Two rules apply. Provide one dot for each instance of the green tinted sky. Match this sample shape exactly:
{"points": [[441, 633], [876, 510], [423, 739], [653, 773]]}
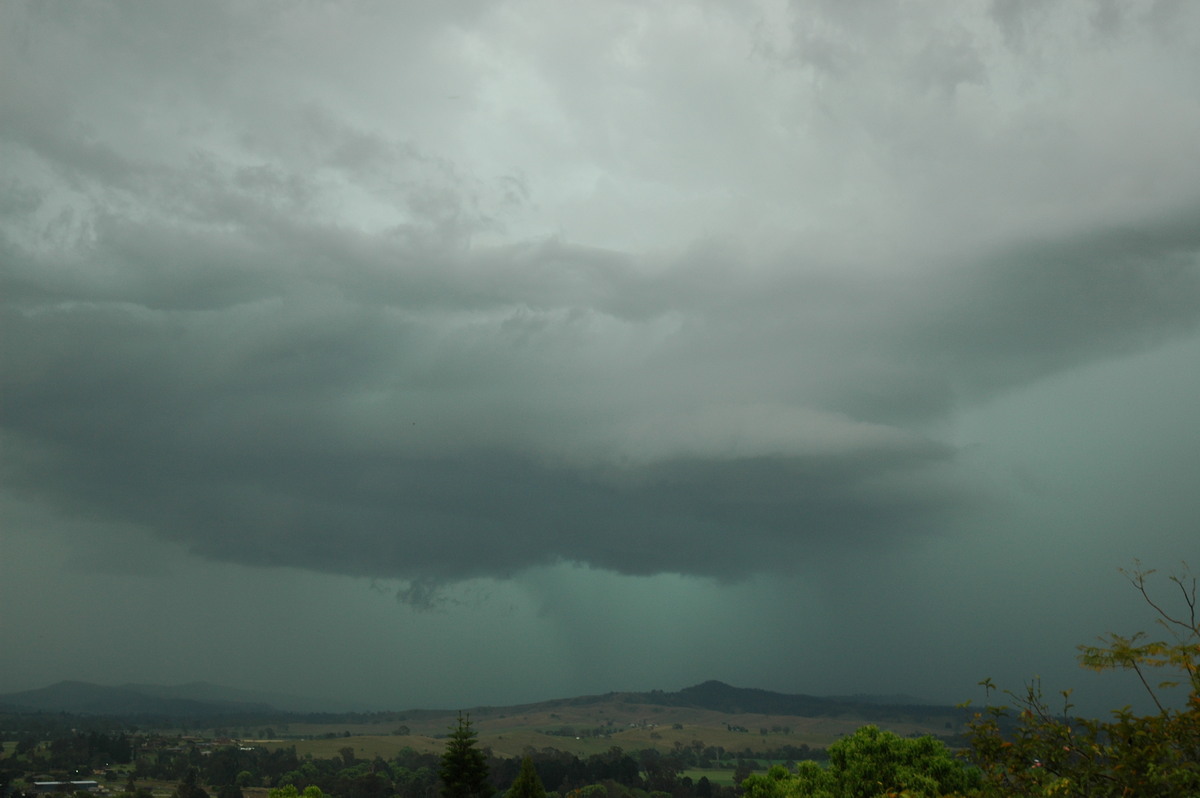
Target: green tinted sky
{"points": [[435, 354]]}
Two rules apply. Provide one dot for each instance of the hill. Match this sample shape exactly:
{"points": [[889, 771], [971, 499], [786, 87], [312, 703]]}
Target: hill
{"points": [[718, 697], [715, 712], [84, 698]]}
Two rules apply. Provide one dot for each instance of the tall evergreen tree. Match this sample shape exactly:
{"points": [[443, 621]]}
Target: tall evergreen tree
{"points": [[464, 770], [527, 783], [189, 787]]}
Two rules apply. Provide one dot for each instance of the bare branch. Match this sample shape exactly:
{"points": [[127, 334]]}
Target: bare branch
{"points": [[1138, 670], [1138, 578]]}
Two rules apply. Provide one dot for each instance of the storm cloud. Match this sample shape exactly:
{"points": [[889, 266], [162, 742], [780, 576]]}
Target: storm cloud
{"points": [[438, 293]]}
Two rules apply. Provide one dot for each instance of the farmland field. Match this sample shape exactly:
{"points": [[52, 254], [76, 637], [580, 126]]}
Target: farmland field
{"points": [[587, 729]]}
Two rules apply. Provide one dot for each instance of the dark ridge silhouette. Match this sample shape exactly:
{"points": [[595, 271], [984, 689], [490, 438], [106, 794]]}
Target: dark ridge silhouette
{"points": [[202, 700], [84, 698]]}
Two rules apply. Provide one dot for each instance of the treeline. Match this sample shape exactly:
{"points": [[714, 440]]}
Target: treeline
{"points": [[72, 752], [227, 770], [51, 723]]}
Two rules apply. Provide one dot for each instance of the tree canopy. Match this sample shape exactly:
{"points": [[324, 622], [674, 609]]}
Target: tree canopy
{"points": [[290, 791], [463, 769], [527, 784], [868, 763]]}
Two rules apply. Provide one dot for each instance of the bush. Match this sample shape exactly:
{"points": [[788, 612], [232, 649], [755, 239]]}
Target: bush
{"points": [[871, 763], [1034, 750]]}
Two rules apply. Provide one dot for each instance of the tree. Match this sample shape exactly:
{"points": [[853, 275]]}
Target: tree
{"points": [[188, 787], [464, 770], [1034, 749], [290, 791], [874, 762], [870, 763], [527, 784]]}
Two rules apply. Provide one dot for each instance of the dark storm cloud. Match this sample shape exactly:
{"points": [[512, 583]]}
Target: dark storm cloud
{"points": [[250, 307], [366, 437], [1030, 311], [288, 394]]}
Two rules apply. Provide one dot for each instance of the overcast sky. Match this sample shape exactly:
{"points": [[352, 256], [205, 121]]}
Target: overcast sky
{"points": [[437, 354]]}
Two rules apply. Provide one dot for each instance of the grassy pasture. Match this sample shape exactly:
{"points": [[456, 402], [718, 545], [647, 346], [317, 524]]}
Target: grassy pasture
{"points": [[366, 746], [510, 731]]}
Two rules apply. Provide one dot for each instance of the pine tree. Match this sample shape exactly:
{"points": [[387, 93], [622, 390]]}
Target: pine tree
{"points": [[189, 788], [527, 784], [464, 770]]}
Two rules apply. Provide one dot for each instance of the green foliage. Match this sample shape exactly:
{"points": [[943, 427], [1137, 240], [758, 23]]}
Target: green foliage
{"points": [[780, 783], [870, 763], [290, 791], [464, 770], [1034, 750], [527, 784]]}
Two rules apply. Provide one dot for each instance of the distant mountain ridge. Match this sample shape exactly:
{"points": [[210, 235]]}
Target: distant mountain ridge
{"points": [[714, 695], [736, 700], [718, 696], [185, 700], [215, 693], [201, 699]]}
